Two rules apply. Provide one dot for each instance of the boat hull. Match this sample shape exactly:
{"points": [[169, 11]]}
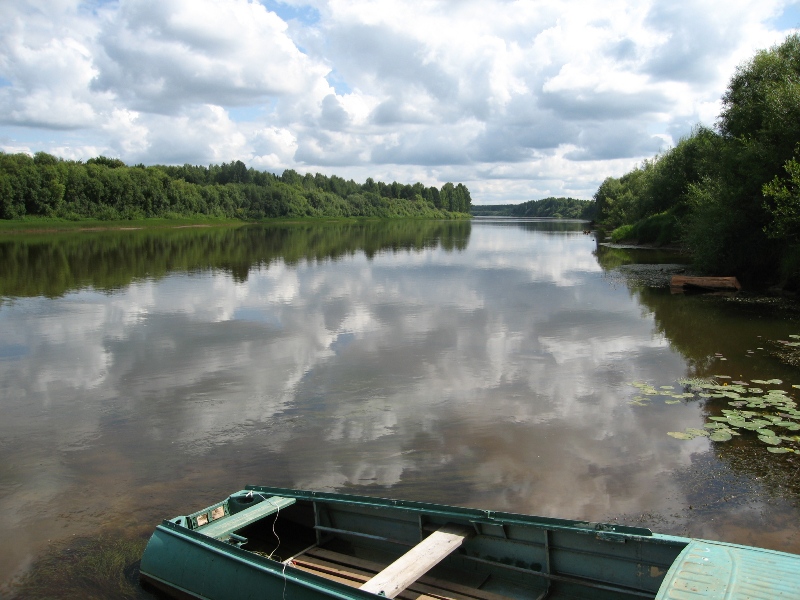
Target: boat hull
{"points": [[293, 544]]}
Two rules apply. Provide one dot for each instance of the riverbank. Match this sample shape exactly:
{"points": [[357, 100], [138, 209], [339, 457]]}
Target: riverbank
{"points": [[54, 225]]}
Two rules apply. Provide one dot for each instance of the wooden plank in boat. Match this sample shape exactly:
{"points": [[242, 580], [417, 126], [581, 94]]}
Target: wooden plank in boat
{"points": [[352, 579], [418, 561], [363, 571], [371, 568]]}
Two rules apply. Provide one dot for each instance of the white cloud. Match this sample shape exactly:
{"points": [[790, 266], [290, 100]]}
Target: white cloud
{"points": [[160, 55], [516, 99]]}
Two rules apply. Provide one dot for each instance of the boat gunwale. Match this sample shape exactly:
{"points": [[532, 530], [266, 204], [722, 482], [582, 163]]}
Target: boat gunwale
{"points": [[472, 515]]}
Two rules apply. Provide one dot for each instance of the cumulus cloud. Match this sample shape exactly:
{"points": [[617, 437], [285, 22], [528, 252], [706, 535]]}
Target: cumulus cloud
{"points": [[48, 70], [160, 55], [394, 90]]}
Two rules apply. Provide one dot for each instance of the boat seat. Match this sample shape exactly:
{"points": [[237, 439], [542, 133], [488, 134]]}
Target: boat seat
{"points": [[225, 526], [419, 560]]}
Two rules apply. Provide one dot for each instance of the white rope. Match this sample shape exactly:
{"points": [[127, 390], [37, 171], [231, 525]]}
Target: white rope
{"points": [[275, 533]]}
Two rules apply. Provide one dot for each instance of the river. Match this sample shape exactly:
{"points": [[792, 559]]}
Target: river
{"points": [[499, 363]]}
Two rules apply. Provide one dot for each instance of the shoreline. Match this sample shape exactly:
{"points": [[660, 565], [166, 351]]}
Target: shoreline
{"points": [[40, 226], [45, 225]]}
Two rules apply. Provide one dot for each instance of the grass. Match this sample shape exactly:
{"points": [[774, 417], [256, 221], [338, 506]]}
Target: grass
{"points": [[40, 224], [86, 568], [622, 233], [661, 229]]}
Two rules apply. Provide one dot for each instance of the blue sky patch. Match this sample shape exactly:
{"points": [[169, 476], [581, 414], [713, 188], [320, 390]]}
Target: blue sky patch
{"points": [[307, 15], [338, 83], [246, 113], [92, 7], [790, 17]]}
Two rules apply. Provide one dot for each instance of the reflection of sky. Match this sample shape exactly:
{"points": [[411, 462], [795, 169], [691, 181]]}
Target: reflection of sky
{"points": [[493, 376]]}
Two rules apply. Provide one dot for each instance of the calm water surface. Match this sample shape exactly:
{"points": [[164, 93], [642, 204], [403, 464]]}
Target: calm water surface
{"points": [[148, 374]]}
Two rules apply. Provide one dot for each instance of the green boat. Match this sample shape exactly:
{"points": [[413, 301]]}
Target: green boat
{"points": [[263, 543]]}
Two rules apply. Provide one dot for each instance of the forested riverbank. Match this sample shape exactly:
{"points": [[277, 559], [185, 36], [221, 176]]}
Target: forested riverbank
{"points": [[730, 195], [556, 208], [106, 189]]}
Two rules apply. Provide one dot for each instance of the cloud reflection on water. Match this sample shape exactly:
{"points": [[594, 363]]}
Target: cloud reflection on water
{"points": [[492, 376]]}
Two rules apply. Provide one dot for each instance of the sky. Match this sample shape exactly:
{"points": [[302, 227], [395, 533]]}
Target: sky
{"points": [[518, 100]]}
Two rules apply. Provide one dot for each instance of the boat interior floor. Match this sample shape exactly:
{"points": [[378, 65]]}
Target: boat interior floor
{"points": [[354, 565], [355, 571]]}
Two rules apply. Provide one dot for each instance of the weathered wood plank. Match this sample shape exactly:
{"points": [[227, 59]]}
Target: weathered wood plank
{"points": [[447, 588], [355, 580], [418, 561], [706, 283]]}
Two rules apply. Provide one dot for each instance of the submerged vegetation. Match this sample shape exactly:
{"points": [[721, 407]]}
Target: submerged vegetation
{"points": [[101, 567], [730, 195], [107, 189]]}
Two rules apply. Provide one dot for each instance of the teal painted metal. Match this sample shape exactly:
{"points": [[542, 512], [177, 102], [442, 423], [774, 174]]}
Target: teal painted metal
{"points": [[718, 570], [223, 527], [519, 556], [479, 515], [189, 564]]}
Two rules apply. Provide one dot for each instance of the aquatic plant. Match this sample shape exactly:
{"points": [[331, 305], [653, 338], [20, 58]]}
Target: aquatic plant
{"points": [[770, 413], [96, 567]]}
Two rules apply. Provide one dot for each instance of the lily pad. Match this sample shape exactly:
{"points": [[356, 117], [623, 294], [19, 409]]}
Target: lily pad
{"points": [[695, 431], [773, 439], [752, 426], [750, 408]]}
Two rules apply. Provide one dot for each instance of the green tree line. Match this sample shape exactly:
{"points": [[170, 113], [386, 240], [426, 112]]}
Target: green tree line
{"points": [[107, 189], [557, 208], [730, 194]]}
